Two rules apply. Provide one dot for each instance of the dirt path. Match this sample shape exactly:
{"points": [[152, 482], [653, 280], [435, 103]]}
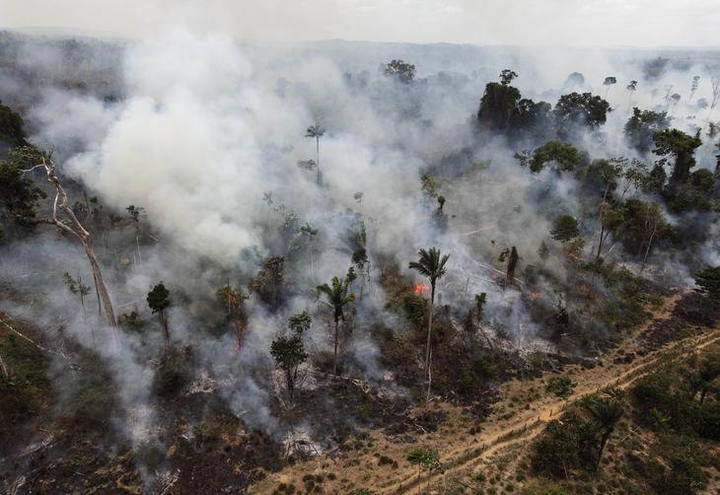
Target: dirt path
{"points": [[525, 426]]}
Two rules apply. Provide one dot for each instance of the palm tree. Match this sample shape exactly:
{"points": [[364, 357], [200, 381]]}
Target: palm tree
{"points": [[432, 265], [316, 132], [338, 295], [606, 413]]}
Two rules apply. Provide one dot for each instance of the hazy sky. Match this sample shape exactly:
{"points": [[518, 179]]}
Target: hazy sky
{"points": [[513, 22]]}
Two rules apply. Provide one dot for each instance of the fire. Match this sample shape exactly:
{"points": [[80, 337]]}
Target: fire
{"points": [[534, 294], [418, 289]]}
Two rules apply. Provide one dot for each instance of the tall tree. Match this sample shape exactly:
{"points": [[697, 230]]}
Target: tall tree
{"points": [[159, 301], [431, 264], [64, 218], [642, 125], [316, 132], [337, 296], [673, 142]]}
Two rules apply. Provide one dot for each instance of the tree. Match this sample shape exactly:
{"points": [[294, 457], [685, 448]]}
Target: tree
{"points": [[708, 282], [606, 412], [337, 296], [431, 264], [233, 298], [507, 76], [64, 218], [583, 109], [610, 219], [316, 132], [608, 82], [680, 145], [642, 126], [564, 228], [76, 286], [289, 351], [401, 70], [499, 103], [424, 458], [564, 155], [159, 301], [268, 283]]}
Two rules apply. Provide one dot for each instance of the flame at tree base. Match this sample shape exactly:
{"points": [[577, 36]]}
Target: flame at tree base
{"points": [[420, 289]]}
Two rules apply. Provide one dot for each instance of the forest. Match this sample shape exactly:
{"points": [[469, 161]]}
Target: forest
{"points": [[337, 267]]}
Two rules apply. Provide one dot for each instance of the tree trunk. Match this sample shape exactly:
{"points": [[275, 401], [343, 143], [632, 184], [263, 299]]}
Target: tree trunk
{"points": [[100, 283], [430, 322], [164, 324], [335, 359], [317, 156], [603, 441]]}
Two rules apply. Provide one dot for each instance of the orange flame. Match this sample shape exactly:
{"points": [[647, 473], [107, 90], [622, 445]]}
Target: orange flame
{"points": [[534, 294], [418, 289]]}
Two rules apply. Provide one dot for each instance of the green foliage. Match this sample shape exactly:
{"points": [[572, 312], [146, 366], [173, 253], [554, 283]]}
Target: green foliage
{"points": [[564, 228], [544, 486], [507, 76], [497, 106], [424, 457], [564, 155], [92, 400], [565, 445], [562, 386], [415, 307], [673, 142], [400, 70], [173, 373], [431, 265], [268, 283], [300, 323], [158, 298], [337, 295], [429, 186], [18, 194], [289, 353], [642, 126], [11, 126], [584, 109], [708, 282], [27, 384]]}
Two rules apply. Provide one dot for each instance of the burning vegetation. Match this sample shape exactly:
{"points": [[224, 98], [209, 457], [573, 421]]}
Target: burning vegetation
{"points": [[262, 315]]}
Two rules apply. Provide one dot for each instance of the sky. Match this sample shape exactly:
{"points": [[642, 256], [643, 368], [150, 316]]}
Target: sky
{"points": [[642, 23]]}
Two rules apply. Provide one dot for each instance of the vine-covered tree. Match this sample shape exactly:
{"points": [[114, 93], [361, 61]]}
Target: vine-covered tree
{"points": [[674, 142], [158, 299], [499, 103], [642, 126], [268, 283]]}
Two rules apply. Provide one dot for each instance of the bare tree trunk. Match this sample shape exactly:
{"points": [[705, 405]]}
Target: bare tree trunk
{"points": [[335, 360], [430, 322], [317, 155], [71, 225]]}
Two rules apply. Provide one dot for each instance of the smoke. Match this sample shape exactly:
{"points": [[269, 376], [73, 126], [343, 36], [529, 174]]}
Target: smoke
{"points": [[206, 133]]}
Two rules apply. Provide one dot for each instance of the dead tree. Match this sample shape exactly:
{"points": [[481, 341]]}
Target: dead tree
{"points": [[66, 221]]}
